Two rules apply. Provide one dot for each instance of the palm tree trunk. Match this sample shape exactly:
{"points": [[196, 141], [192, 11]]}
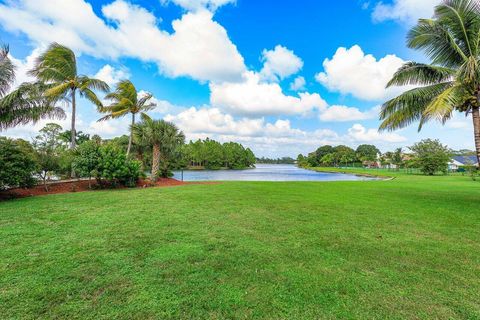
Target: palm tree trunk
{"points": [[73, 133], [155, 162], [476, 129], [131, 135]]}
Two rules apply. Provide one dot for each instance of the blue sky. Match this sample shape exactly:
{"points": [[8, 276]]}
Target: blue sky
{"points": [[281, 77]]}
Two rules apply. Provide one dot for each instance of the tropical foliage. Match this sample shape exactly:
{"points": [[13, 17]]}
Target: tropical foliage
{"points": [[430, 156], [451, 82], [24, 104], [17, 163], [56, 68], [126, 100], [164, 138], [211, 154]]}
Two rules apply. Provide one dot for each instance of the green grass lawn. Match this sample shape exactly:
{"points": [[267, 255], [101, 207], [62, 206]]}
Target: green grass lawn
{"points": [[407, 248]]}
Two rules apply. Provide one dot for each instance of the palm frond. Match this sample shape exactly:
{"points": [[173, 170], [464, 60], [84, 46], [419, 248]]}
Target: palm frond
{"points": [[7, 71], [413, 73], [28, 104], [410, 106]]}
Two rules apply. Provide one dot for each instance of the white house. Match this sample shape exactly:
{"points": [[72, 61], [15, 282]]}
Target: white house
{"points": [[461, 161]]}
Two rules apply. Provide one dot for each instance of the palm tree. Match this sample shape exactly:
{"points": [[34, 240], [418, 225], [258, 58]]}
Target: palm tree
{"points": [[7, 71], [57, 68], [126, 100], [164, 138], [451, 39], [24, 104]]}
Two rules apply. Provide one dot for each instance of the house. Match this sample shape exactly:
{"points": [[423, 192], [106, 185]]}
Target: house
{"points": [[461, 161]]}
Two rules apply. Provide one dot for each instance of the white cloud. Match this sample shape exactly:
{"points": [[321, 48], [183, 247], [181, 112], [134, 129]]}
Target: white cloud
{"points": [[406, 11], [298, 84], [351, 71], [276, 138], [359, 133], [199, 4], [279, 63], [254, 97], [111, 128], [131, 31], [112, 75], [338, 113], [23, 66]]}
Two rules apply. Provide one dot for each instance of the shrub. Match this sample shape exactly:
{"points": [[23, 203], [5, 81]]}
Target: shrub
{"points": [[17, 163], [116, 168]]}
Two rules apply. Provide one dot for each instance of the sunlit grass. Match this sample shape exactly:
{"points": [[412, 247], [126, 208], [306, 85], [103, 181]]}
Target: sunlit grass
{"points": [[407, 248]]}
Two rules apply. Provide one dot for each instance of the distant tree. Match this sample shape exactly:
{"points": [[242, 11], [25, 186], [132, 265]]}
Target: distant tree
{"points": [[328, 159], [397, 158], [344, 154], [322, 151], [17, 164], [86, 162], [48, 147], [302, 161], [80, 137], [367, 153], [431, 156]]}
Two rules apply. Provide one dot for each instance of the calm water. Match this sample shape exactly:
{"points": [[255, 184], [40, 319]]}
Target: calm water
{"points": [[267, 172]]}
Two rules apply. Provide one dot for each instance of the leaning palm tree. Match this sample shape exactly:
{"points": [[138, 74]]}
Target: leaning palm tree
{"points": [[57, 68], [126, 100], [451, 83], [7, 71], [162, 136], [25, 103]]}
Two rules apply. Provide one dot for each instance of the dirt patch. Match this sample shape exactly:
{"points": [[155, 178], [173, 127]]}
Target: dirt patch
{"points": [[82, 185]]}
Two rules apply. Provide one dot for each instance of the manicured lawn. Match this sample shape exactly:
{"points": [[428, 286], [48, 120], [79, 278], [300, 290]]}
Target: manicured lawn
{"points": [[407, 248]]}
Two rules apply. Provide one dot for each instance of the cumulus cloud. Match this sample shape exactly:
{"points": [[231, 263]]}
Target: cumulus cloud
{"points": [[23, 66], [112, 75], [253, 97], [280, 63], [129, 30], [338, 113], [406, 11], [298, 84], [199, 4], [359, 133], [267, 138], [351, 71]]}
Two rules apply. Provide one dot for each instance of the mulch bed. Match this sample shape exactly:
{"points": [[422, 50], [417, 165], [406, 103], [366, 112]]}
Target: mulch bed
{"points": [[82, 185]]}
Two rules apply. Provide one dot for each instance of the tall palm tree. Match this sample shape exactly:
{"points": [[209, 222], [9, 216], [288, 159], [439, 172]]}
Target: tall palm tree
{"points": [[57, 68], [126, 100], [451, 39], [7, 71], [164, 137]]}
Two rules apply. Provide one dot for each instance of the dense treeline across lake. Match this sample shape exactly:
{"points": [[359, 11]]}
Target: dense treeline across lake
{"points": [[211, 154], [283, 160]]}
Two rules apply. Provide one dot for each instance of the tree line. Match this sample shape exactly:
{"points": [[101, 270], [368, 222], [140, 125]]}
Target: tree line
{"points": [[211, 154], [282, 160], [429, 156]]}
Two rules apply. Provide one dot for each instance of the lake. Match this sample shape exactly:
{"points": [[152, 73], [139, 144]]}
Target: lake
{"points": [[266, 172]]}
